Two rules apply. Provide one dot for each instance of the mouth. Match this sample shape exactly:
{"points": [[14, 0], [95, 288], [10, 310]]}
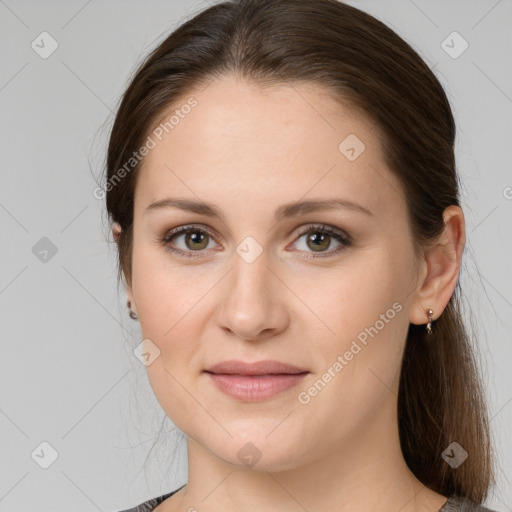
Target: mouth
{"points": [[255, 381], [267, 367]]}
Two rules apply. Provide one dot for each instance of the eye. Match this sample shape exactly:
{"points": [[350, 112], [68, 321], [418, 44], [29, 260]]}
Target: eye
{"points": [[318, 239], [195, 239]]}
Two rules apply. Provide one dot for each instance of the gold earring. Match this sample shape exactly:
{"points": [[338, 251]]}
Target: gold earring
{"points": [[429, 324]]}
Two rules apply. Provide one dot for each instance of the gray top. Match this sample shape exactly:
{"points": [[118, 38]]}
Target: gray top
{"points": [[454, 504]]}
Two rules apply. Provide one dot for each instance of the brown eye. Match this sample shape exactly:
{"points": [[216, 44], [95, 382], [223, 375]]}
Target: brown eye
{"points": [[318, 241], [196, 240]]}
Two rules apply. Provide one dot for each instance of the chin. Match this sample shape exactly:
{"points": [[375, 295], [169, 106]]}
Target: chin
{"points": [[257, 452]]}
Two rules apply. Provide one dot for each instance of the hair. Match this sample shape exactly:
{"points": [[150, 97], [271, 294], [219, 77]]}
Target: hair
{"points": [[362, 63]]}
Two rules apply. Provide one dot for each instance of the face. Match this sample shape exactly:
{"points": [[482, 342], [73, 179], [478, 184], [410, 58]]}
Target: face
{"points": [[325, 290]]}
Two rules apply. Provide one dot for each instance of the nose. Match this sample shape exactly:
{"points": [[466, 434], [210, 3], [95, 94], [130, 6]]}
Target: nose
{"points": [[252, 304]]}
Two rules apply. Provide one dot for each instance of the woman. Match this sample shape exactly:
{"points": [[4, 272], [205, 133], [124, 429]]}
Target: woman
{"points": [[283, 194]]}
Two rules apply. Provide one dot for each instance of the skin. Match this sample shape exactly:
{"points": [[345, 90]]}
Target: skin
{"points": [[248, 151]]}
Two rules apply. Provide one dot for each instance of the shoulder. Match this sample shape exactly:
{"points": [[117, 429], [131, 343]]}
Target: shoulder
{"points": [[461, 504], [151, 504]]}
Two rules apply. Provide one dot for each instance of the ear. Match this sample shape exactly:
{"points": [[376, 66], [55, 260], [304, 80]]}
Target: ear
{"points": [[116, 233], [440, 268]]}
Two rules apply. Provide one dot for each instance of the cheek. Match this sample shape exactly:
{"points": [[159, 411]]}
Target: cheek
{"points": [[167, 293], [360, 367], [367, 318], [168, 306], [170, 316], [354, 298]]}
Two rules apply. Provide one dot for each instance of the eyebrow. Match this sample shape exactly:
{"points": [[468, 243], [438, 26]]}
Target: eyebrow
{"points": [[284, 211]]}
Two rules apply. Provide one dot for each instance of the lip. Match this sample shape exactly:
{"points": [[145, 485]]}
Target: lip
{"points": [[266, 367], [255, 381]]}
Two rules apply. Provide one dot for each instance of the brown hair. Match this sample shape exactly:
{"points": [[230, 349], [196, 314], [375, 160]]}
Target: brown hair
{"points": [[363, 62]]}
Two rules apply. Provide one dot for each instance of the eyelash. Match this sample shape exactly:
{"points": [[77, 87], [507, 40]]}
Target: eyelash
{"points": [[344, 239]]}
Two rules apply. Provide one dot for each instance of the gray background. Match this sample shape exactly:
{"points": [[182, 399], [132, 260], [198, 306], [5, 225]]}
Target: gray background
{"points": [[68, 376]]}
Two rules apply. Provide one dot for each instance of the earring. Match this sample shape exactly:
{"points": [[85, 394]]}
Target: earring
{"points": [[133, 316], [429, 324]]}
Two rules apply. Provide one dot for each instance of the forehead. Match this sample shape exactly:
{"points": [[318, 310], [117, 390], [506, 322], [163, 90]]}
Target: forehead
{"points": [[251, 147]]}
